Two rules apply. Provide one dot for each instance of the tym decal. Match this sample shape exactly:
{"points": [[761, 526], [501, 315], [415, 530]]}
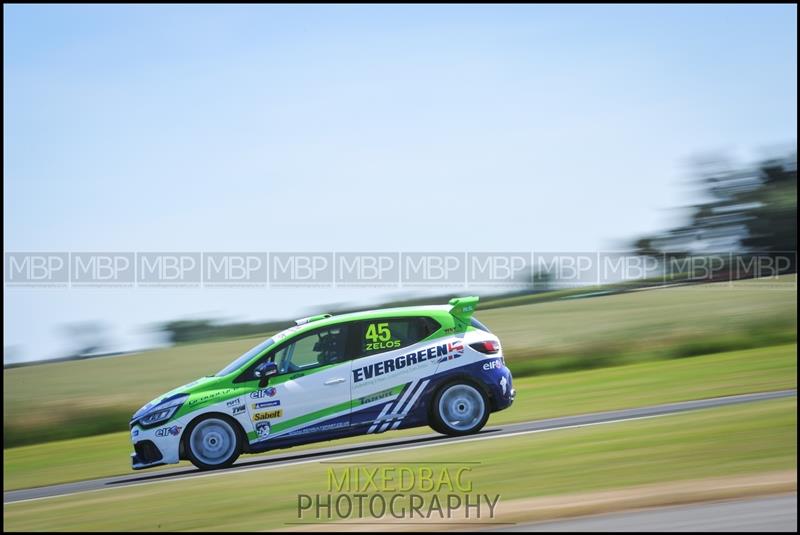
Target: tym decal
{"points": [[377, 369]]}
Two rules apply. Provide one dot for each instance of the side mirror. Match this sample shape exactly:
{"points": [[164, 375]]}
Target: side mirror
{"points": [[264, 371]]}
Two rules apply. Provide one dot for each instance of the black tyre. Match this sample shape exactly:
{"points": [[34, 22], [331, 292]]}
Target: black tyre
{"points": [[212, 441], [459, 409]]}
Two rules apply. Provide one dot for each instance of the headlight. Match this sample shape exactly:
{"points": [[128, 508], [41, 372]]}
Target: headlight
{"points": [[161, 412]]}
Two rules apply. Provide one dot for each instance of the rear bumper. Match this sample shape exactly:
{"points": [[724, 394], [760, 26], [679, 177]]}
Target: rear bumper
{"points": [[498, 381]]}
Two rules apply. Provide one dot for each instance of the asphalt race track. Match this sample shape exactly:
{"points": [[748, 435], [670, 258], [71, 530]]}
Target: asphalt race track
{"points": [[773, 513], [275, 460]]}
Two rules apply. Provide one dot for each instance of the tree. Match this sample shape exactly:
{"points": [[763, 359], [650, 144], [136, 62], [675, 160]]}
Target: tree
{"points": [[748, 210]]}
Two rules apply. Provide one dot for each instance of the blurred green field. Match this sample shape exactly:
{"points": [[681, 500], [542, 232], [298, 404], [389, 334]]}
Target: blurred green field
{"points": [[82, 398], [747, 439], [633, 385]]}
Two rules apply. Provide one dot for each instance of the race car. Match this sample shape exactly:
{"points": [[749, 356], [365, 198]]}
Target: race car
{"points": [[329, 377]]}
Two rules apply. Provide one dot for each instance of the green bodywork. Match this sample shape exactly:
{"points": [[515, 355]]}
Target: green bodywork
{"points": [[452, 319]]}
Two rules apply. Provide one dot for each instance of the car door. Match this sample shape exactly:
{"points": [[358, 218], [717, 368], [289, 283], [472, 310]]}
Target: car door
{"points": [[389, 373], [311, 393]]}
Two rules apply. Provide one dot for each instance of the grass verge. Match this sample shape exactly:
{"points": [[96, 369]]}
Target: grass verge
{"points": [[729, 441]]}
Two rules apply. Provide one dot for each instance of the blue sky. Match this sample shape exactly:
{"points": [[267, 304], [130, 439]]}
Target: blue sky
{"points": [[334, 128]]}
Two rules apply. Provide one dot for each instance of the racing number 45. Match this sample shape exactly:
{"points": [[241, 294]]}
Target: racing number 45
{"points": [[378, 332], [380, 336]]}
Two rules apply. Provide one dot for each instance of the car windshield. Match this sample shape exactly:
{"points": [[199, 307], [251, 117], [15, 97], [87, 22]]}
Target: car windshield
{"points": [[241, 361]]}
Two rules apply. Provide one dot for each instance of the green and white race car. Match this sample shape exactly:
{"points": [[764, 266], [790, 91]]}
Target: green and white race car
{"points": [[330, 377]]}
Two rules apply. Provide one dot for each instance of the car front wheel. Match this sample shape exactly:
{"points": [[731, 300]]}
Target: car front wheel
{"points": [[460, 409], [212, 442]]}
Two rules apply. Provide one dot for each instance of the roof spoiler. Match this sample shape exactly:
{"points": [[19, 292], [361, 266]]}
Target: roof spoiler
{"points": [[462, 308]]}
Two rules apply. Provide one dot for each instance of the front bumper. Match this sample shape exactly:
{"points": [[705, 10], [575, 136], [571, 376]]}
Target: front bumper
{"points": [[154, 447], [146, 455]]}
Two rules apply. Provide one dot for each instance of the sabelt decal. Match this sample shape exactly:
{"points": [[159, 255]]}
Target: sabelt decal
{"points": [[267, 415]]}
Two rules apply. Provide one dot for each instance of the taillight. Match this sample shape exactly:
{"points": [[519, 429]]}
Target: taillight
{"points": [[488, 347]]}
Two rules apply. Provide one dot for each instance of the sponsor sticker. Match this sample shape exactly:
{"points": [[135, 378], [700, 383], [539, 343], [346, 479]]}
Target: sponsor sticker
{"points": [[266, 404], [263, 429], [376, 396], [174, 431], [318, 429], [266, 393], [210, 395], [238, 410], [233, 402], [438, 353], [267, 415], [491, 365]]}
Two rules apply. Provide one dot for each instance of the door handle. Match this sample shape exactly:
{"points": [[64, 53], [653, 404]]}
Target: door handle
{"points": [[334, 381]]}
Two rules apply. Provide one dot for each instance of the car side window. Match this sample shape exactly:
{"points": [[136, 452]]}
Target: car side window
{"points": [[379, 335], [318, 348]]}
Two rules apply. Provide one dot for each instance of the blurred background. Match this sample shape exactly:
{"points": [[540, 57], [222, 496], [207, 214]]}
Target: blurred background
{"points": [[662, 133]]}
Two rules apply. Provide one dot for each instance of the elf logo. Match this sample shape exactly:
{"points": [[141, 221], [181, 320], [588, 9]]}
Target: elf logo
{"points": [[494, 364]]}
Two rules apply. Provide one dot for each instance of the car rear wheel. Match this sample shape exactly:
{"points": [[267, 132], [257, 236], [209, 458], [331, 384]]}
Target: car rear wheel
{"points": [[460, 409], [212, 442]]}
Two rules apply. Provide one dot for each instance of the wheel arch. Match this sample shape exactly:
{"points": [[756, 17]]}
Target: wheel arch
{"points": [[237, 426], [458, 377]]}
